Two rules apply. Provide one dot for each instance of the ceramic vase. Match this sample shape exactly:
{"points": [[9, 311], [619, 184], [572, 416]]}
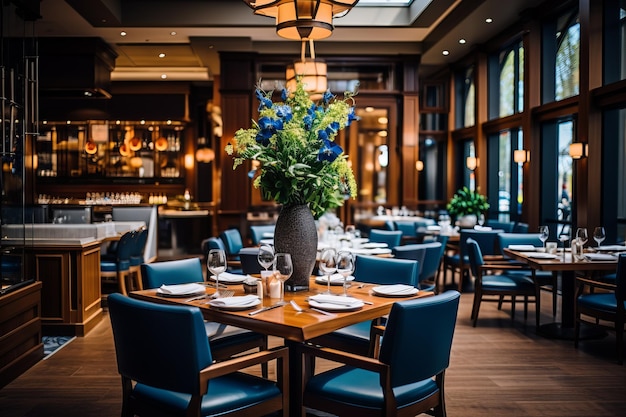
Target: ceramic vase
{"points": [[296, 234]]}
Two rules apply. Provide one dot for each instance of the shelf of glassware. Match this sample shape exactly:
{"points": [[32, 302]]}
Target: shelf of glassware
{"points": [[102, 150]]}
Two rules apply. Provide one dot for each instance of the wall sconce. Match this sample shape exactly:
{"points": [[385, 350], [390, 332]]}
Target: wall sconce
{"points": [[471, 162], [302, 19], [419, 165], [188, 161], [578, 150], [521, 156]]}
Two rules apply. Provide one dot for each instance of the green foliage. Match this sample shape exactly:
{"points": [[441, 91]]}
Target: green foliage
{"points": [[293, 141], [466, 201]]}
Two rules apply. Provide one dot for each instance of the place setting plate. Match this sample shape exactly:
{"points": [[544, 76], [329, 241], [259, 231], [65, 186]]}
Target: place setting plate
{"points": [[230, 278], [523, 248], [335, 279], [236, 303], [542, 255], [600, 257], [395, 290]]}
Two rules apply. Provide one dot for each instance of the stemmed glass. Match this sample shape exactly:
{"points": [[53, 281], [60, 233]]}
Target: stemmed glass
{"points": [[599, 235], [345, 267], [283, 268], [481, 219], [266, 256], [544, 234], [328, 265], [582, 235], [216, 264]]}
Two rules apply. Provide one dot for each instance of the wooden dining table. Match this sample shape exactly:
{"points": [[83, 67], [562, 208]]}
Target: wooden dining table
{"points": [[568, 268], [286, 322]]}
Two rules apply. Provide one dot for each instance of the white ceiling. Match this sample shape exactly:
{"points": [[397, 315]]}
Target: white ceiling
{"points": [[204, 27]]}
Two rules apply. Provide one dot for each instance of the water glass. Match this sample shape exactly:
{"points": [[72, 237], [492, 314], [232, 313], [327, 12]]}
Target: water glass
{"points": [[265, 257], [328, 265], [599, 235], [283, 268], [345, 267], [216, 264], [544, 234]]}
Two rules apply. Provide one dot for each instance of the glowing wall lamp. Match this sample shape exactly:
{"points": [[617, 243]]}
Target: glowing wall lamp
{"points": [[521, 156], [189, 161], [472, 163], [578, 150], [419, 165]]}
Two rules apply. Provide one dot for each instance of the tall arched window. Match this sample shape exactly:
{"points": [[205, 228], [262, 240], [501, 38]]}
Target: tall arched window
{"points": [[567, 57], [510, 87], [466, 98]]}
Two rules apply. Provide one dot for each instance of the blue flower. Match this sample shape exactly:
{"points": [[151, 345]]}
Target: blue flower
{"points": [[329, 151], [264, 102], [284, 112], [267, 128], [284, 94], [327, 97], [352, 116]]}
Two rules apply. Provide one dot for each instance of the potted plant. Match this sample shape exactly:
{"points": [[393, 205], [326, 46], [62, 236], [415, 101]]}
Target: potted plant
{"points": [[466, 205]]}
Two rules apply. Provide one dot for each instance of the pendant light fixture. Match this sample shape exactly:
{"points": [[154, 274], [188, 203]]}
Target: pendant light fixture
{"points": [[302, 19], [311, 71]]}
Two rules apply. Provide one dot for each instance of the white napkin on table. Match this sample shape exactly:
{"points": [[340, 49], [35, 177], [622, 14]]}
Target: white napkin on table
{"points": [[522, 248], [395, 289], [181, 289], [335, 278], [240, 300], [230, 277], [335, 299]]}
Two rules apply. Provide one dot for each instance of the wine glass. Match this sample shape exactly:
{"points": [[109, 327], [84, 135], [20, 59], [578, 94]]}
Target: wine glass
{"points": [[345, 267], [582, 235], [283, 268], [544, 234], [481, 219], [266, 256], [599, 235], [350, 230], [328, 265], [216, 264]]}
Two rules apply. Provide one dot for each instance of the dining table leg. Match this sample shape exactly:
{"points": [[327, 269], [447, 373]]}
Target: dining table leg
{"points": [[295, 381], [565, 328]]}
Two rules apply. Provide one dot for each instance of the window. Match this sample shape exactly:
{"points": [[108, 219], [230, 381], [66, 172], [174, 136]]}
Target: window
{"points": [[506, 89], [561, 50], [465, 99], [614, 41], [505, 188]]}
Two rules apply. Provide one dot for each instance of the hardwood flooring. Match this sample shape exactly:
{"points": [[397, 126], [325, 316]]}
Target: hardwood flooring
{"points": [[499, 368]]}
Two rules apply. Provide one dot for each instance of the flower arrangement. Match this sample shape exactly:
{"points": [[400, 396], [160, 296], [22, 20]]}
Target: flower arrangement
{"points": [[294, 142], [467, 201]]}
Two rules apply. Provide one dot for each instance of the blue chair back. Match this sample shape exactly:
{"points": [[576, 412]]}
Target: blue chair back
{"points": [[520, 227], [475, 256], [212, 243], [391, 237], [408, 228], [506, 227], [139, 245], [159, 345], [257, 232], [486, 240], [180, 271], [620, 279], [232, 241], [249, 260], [413, 252], [376, 270], [123, 250], [432, 260], [402, 343]]}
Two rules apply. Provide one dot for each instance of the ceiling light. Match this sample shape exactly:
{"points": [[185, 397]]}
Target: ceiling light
{"points": [[462, 41], [311, 71], [488, 20], [161, 55], [445, 52], [302, 19], [123, 33]]}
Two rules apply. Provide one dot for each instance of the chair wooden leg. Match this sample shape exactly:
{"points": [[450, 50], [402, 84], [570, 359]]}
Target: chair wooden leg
{"points": [[121, 282], [619, 336], [555, 288], [476, 307], [512, 307]]}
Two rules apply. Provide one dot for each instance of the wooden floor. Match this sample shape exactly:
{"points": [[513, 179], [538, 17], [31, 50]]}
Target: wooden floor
{"points": [[500, 368]]}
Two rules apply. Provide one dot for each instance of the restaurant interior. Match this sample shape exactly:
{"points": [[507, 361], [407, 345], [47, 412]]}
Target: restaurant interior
{"points": [[480, 156]]}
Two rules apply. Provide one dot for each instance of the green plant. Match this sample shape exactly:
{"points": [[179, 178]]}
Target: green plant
{"points": [[293, 141], [467, 201]]}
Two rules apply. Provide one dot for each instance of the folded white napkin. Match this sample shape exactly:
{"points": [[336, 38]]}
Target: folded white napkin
{"points": [[335, 299], [372, 245], [522, 247], [600, 257], [395, 289], [181, 289], [478, 227], [241, 300], [230, 277], [612, 248]]}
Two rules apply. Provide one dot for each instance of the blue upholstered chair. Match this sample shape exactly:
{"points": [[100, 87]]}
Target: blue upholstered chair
{"points": [[506, 227], [391, 237], [232, 242], [458, 262], [249, 260], [115, 267], [261, 231], [547, 280], [167, 367], [498, 283], [226, 340], [136, 256], [214, 242], [409, 231], [603, 306], [398, 382], [417, 252], [356, 338]]}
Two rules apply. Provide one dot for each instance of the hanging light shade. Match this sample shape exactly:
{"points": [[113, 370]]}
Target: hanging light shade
{"points": [[302, 19], [161, 144], [124, 150], [205, 155], [134, 144], [312, 72], [91, 147]]}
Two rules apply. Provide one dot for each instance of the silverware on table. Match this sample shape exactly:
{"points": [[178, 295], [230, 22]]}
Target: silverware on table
{"points": [[303, 310], [261, 310]]}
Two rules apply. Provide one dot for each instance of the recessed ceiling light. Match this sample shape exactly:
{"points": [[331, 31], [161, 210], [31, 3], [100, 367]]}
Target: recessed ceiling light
{"points": [[163, 76], [369, 109], [488, 20], [461, 41], [161, 55], [123, 33], [446, 52], [173, 33]]}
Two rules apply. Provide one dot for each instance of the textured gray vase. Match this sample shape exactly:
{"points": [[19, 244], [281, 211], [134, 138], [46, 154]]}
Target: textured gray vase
{"points": [[296, 234]]}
